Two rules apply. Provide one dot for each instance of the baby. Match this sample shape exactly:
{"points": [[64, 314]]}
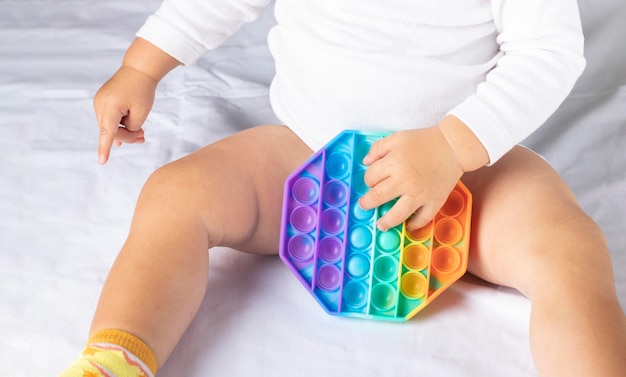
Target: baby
{"points": [[458, 82]]}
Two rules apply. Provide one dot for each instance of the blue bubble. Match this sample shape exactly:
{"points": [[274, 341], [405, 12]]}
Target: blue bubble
{"points": [[355, 294], [360, 214], [360, 237], [358, 265], [338, 165]]}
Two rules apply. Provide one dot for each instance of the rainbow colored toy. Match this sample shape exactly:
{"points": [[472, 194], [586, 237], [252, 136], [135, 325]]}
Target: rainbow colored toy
{"points": [[333, 247]]}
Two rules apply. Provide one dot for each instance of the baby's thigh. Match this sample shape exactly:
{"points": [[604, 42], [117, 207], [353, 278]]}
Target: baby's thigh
{"points": [[526, 222], [235, 185]]}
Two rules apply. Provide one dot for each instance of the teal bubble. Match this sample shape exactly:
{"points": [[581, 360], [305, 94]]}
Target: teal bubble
{"points": [[361, 150], [383, 297], [383, 209], [388, 241], [386, 268], [358, 182]]}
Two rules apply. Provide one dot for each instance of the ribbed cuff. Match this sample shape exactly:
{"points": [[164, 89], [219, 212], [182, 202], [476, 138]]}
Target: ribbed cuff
{"points": [[129, 342]]}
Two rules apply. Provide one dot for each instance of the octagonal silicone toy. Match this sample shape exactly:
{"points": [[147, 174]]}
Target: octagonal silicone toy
{"points": [[334, 248]]}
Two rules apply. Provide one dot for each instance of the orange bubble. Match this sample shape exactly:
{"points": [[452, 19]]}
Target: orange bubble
{"points": [[416, 256], [454, 205], [422, 234], [446, 259], [448, 231]]}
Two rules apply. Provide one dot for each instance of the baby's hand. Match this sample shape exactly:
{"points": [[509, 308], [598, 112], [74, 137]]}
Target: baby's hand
{"points": [[122, 105], [417, 166]]}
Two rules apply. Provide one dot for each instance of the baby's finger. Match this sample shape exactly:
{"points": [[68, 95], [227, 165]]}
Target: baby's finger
{"points": [[378, 150], [376, 173], [129, 137], [378, 195], [421, 217], [401, 210], [109, 125]]}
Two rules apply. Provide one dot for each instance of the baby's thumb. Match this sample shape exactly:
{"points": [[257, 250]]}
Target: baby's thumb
{"points": [[134, 119]]}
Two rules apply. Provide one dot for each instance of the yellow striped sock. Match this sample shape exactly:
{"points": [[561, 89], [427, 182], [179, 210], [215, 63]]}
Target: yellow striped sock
{"points": [[113, 353]]}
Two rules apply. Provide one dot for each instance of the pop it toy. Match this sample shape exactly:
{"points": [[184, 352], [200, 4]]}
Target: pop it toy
{"points": [[332, 245]]}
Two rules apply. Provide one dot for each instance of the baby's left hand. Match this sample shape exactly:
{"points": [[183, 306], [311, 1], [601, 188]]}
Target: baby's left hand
{"points": [[417, 166]]}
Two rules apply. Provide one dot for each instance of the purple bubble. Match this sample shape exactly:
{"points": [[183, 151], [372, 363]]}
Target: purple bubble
{"points": [[330, 249], [332, 221], [335, 193], [301, 247], [303, 219], [305, 190], [328, 277]]}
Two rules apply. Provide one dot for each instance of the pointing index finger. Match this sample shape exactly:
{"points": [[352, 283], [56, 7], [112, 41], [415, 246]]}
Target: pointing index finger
{"points": [[109, 125]]}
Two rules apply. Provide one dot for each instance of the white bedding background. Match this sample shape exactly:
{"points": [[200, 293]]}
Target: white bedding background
{"points": [[63, 217]]}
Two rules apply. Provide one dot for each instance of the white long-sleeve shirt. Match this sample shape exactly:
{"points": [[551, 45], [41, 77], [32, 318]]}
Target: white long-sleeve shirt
{"points": [[501, 66]]}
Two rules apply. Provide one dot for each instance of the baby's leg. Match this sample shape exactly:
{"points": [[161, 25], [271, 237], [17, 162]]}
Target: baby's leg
{"points": [[227, 194], [529, 233]]}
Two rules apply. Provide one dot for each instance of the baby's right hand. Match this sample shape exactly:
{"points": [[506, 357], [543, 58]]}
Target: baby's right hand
{"points": [[122, 105]]}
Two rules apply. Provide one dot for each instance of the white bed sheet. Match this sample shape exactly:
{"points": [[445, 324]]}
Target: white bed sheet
{"points": [[63, 217]]}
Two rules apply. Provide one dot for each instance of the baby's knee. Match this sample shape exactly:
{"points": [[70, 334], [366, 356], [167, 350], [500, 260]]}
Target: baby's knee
{"points": [[574, 226], [571, 251], [174, 184]]}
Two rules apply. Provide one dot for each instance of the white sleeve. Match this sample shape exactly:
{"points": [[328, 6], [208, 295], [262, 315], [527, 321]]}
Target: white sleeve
{"points": [[187, 29], [541, 42]]}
